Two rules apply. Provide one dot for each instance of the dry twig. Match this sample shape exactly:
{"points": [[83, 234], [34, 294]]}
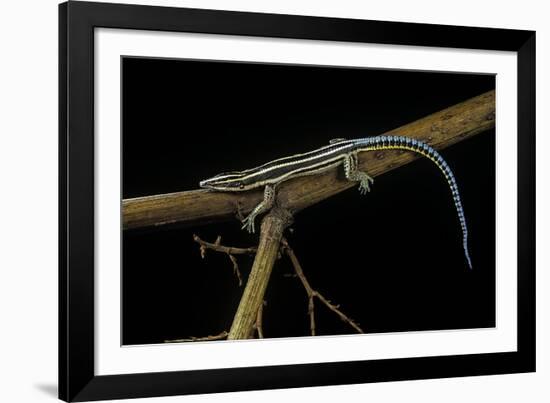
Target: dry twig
{"points": [[231, 251], [259, 321], [228, 250], [312, 293], [298, 272], [219, 336]]}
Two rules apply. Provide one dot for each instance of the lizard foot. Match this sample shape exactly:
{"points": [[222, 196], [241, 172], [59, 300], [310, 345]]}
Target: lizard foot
{"points": [[365, 182], [248, 223]]}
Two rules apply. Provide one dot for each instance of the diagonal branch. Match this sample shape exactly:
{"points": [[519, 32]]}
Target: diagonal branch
{"points": [[440, 130], [312, 293], [271, 232]]}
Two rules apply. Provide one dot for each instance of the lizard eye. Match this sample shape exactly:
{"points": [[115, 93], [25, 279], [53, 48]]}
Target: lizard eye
{"points": [[241, 186]]}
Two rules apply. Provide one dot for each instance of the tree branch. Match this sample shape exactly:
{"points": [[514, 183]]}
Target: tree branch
{"points": [[440, 130], [312, 293], [272, 228], [229, 251]]}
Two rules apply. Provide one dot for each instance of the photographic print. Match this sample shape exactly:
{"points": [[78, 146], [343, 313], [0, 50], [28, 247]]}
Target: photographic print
{"points": [[276, 200], [259, 201]]}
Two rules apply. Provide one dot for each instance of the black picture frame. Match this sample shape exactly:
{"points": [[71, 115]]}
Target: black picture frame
{"points": [[77, 379]]}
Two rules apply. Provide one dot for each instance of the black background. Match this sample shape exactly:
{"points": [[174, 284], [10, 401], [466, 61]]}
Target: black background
{"points": [[393, 260]]}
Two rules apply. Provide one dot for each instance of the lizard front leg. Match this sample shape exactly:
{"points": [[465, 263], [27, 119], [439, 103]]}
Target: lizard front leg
{"points": [[353, 174], [264, 205]]}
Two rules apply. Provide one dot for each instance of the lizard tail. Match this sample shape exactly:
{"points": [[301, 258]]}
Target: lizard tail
{"points": [[407, 143]]}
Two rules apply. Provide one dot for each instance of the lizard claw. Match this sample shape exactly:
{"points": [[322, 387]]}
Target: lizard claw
{"points": [[248, 224], [364, 185]]}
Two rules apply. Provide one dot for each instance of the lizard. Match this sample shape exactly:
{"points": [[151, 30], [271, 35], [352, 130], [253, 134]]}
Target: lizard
{"points": [[338, 152]]}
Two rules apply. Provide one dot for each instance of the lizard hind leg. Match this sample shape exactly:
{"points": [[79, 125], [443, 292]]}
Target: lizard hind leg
{"points": [[354, 175], [263, 206]]}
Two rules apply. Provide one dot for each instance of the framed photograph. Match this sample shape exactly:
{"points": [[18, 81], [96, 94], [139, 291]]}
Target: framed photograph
{"points": [[255, 201]]}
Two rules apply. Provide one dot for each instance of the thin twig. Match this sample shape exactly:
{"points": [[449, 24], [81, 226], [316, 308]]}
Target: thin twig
{"points": [[310, 309], [220, 336], [259, 321], [230, 251], [312, 293], [236, 270]]}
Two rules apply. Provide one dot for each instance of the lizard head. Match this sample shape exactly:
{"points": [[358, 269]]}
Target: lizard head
{"points": [[226, 182]]}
